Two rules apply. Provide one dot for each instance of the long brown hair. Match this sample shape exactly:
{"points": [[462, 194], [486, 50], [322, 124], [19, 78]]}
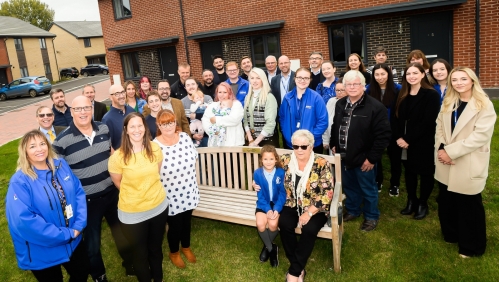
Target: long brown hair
{"points": [[127, 146], [270, 149], [406, 87], [129, 82], [23, 163], [362, 68]]}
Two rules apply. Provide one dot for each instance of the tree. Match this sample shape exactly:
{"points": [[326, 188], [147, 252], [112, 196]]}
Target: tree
{"points": [[33, 11]]}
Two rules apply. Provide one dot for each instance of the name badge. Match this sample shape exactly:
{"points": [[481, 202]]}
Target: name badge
{"points": [[308, 107], [69, 211]]}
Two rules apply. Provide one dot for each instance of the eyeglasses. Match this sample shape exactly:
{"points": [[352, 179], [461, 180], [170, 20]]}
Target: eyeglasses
{"points": [[315, 58], [340, 90], [232, 70], [169, 124], [78, 109], [46, 115], [299, 78], [303, 147], [271, 63], [120, 93], [164, 89], [353, 85]]}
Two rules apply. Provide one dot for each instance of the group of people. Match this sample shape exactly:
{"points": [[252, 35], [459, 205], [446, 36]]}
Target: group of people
{"points": [[136, 167]]}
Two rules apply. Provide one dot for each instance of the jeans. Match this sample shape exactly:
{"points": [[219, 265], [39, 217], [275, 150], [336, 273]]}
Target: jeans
{"points": [[360, 187], [146, 238], [76, 267], [98, 208]]}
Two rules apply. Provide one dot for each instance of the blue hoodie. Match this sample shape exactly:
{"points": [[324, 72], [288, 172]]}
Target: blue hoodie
{"points": [[278, 191], [313, 117], [36, 220], [242, 89]]}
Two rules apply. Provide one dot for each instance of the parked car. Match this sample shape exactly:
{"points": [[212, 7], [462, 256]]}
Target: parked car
{"points": [[94, 69], [70, 72], [30, 85]]}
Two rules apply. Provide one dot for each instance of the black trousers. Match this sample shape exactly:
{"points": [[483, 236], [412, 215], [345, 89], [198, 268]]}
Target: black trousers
{"points": [[105, 206], [462, 220], [179, 230], [395, 153], [298, 251], [426, 182], [77, 268], [146, 239]]}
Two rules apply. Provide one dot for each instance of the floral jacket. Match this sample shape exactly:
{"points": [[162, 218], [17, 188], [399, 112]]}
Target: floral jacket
{"points": [[320, 186]]}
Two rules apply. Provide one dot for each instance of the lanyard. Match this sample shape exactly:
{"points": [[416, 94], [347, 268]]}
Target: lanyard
{"points": [[298, 112], [283, 84], [455, 117]]}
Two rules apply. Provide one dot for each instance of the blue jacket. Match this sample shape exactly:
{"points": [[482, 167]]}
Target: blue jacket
{"points": [[313, 117], [278, 191], [36, 220], [242, 89]]}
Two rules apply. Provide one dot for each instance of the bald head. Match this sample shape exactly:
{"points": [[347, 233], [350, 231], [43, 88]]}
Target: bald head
{"points": [[116, 88], [81, 101], [284, 64], [117, 96]]}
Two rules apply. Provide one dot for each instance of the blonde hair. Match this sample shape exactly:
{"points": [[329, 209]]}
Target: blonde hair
{"points": [[452, 97], [264, 92], [23, 163], [198, 93]]}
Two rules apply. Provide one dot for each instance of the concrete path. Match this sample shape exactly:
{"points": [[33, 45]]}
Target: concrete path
{"points": [[14, 124]]}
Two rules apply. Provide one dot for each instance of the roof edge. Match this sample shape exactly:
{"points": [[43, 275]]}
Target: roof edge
{"points": [[238, 29]]}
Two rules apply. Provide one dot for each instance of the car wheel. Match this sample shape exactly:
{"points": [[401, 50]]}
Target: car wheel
{"points": [[32, 93], [104, 72], [85, 74], [3, 97], [68, 75]]}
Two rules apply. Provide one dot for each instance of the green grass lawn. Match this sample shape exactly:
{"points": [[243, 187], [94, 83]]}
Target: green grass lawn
{"points": [[400, 249]]}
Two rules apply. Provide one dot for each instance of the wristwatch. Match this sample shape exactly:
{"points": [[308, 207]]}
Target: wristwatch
{"points": [[310, 214]]}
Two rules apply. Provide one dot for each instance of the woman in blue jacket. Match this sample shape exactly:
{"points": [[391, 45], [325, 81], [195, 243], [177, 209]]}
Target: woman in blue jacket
{"points": [[46, 213], [271, 198], [303, 108]]}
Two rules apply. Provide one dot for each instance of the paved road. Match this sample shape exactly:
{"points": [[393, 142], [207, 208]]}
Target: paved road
{"points": [[68, 86]]}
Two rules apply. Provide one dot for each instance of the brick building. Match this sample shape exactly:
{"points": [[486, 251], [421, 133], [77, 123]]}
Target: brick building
{"points": [[78, 43], [25, 50], [145, 37]]}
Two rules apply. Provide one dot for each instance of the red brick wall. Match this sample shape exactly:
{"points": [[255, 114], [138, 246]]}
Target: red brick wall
{"points": [[302, 32], [4, 58]]}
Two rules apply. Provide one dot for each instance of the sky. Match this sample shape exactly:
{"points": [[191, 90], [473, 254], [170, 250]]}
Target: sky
{"points": [[74, 10]]}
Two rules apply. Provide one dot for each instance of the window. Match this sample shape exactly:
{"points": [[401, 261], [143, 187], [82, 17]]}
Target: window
{"points": [[24, 71], [18, 42], [47, 69], [130, 63], [342, 46], [263, 46], [122, 9], [43, 44], [86, 42]]}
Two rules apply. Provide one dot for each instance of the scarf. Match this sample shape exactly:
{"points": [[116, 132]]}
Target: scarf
{"points": [[305, 174]]}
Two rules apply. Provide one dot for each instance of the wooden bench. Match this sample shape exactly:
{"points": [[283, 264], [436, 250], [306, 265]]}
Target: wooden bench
{"points": [[225, 177]]}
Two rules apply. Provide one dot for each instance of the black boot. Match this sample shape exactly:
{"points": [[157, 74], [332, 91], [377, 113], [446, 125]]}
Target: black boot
{"points": [[410, 208], [274, 260], [264, 255], [421, 212]]}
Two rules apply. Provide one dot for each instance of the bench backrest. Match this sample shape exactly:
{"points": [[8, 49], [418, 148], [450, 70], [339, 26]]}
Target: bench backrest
{"points": [[233, 167]]}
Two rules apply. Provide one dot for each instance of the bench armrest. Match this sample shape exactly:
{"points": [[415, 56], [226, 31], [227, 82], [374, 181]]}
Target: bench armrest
{"points": [[337, 197]]}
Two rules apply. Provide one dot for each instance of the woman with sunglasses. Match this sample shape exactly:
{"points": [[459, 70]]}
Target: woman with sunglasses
{"points": [[303, 108], [309, 185], [178, 176], [142, 204]]}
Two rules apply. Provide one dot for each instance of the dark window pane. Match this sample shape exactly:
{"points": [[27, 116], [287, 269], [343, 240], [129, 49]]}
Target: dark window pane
{"points": [[131, 65], [273, 45], [357, 39], [122, 8], [258, 51], [338, 42]]}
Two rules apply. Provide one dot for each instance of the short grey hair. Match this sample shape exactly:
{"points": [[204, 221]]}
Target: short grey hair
{"points": [[303, 133], [271, 56], [351, 75], [87, 85]]}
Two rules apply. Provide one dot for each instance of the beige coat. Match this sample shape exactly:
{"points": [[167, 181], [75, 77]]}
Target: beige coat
{"points": [[468, 147]]}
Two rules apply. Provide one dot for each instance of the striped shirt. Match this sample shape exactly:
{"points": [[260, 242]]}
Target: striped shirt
{"points": [[88, 162]]}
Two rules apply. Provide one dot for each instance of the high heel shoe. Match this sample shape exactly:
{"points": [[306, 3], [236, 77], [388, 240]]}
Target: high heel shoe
{"points": [[409, 208]]}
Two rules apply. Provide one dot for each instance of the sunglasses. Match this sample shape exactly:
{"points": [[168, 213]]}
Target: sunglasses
{"points": [[48, 115], [303, 147]]}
